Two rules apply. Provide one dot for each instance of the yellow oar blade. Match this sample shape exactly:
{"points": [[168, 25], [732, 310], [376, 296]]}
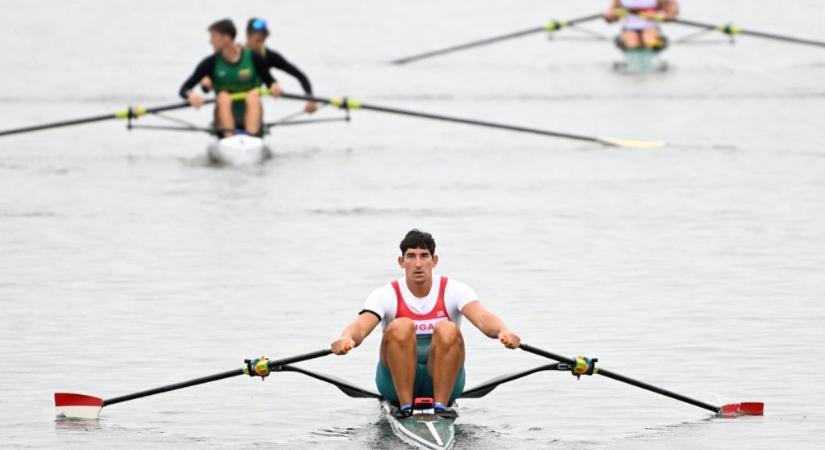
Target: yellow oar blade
{"points": [[631, 143]]}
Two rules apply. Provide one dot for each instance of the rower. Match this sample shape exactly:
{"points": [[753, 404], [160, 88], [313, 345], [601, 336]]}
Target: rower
{"points": [[256, 35], [422, 348], [641, 24], [234, 70]]}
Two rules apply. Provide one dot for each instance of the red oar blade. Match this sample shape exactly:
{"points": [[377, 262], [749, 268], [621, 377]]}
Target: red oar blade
{"points": [[77, 406], [742, 409]]}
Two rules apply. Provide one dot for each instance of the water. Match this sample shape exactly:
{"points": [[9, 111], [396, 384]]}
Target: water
{"points": [[127, 263]]}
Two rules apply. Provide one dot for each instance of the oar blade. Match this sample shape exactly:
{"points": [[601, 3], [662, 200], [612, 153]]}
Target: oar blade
{"points": [[742, 409], [632, 143], [77, 406]]}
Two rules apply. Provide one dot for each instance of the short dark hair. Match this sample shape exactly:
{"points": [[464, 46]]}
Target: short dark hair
{"points": [[224, 26], [416, 238]]}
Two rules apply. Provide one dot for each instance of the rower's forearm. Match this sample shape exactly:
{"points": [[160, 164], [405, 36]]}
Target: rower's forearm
{"points": [[491, 326], [355, 333]]}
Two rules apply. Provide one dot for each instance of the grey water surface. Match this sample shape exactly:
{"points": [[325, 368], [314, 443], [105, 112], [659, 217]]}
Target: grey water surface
{"points": [[128, 263]]}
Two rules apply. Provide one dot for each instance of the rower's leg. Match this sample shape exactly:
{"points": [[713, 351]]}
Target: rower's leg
{"points": [[252, 119], [398, 353], [631, 40], [651, 38], [445, 360], [223, 113]]}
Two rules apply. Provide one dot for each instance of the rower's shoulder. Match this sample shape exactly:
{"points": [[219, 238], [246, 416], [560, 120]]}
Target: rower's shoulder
{"points": [[384, 290]]}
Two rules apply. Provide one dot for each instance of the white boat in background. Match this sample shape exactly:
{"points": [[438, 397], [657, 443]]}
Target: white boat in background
{"points": [[641, 61], [239, 150]]}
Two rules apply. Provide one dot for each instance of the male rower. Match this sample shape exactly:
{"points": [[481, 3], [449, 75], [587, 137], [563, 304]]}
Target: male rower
{"points": [[233, 70], [256, 35], [422, 348], [641, 21]]}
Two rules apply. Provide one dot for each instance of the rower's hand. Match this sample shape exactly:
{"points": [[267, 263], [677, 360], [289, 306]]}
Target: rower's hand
{"points": [[310, 107], [611, 16], [509, 339], [275, 90], [195, 100], [342, 346]]}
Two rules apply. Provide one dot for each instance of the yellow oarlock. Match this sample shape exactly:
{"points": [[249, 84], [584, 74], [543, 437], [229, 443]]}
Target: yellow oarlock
{"points": [[730, 29], [131, 112], [555, 25], [345, 103]]}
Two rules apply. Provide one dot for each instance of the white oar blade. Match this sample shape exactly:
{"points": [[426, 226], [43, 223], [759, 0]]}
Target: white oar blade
{"points": [[77, 406], [630, 143]]}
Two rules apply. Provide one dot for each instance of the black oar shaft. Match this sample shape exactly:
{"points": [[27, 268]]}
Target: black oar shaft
{"points": [[494, 39], [468, 45], [732, 30], [624, 379], [62, 123], [133, 112], [423, 115], [209, 378]]}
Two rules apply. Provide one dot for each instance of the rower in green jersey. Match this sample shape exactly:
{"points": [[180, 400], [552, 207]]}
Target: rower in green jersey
{"points": [[256, 34], [233, 70]]}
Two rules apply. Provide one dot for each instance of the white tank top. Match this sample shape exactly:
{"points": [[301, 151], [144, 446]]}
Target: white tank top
{"points": [[634, 22]]}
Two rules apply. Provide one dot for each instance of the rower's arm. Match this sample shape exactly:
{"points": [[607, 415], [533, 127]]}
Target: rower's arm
{"points": [[490, 324], [274, 59], [204, 69], [487, 322], [361, 327]]}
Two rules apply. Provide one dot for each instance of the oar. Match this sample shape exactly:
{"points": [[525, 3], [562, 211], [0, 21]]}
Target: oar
{"points": [[81, 406], [727, 410], [127, 113], [348, 104], [132, 112], [551, 27], [733, 30]]}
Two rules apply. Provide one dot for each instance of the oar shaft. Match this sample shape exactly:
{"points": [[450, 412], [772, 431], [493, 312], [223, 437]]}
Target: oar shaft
{"points": [[624, 379], [443, 118], [730, 29], [468, 45], [209, 378], [122, 114], [63, 123], [502, 37]]}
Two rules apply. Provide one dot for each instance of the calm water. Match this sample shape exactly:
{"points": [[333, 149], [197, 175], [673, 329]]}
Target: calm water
{"points": [[127, 263]]}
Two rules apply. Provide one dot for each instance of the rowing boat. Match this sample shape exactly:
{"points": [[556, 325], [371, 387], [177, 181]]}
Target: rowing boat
{"points": [[238, 150], [423, 429], [641, 61]]}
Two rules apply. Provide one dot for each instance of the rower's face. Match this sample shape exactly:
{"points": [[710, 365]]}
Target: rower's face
{"points": [[219, 41], [255, 41], [418, 264]]}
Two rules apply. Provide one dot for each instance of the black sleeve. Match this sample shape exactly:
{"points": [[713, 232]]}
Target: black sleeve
{"points": [[369, 311], [262, 69], [274, 59], [204, 69]]}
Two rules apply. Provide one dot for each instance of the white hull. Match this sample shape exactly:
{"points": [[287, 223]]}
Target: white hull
{"points": [[239, 150]]}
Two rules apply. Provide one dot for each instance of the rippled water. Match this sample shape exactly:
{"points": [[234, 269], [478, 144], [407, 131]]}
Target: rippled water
{"points": [[127, 263]]}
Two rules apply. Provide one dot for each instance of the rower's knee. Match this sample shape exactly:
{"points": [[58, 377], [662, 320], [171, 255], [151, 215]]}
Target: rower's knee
{"points": [[447, 333], [253, 97], [223, 99], [400, 330]]}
